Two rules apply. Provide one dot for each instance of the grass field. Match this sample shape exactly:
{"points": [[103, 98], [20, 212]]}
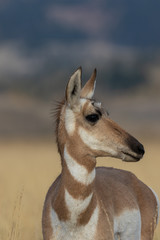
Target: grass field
{"points": [[28, 169]]}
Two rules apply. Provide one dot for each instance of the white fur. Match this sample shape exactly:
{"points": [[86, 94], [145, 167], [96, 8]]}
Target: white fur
{"points": [[83, 101], [128, 225], [79, 172], [94, 143], [76, 206], [65, 230], [70, 121], [97, 104], [156, 196]]}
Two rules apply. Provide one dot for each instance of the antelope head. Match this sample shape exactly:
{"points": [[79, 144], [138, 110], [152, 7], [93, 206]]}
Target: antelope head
{"points": [[84, 123]]}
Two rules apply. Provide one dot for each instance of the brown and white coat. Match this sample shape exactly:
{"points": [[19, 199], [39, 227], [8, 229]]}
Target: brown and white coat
{"points": [[89, 203]]}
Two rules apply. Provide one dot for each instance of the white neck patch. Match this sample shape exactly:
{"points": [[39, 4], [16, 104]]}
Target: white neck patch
{"points": [[76, 206], [79, 172], [65, 230]]}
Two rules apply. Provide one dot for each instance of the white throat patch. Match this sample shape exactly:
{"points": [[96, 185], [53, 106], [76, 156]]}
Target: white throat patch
{"points": [[79, 172]]}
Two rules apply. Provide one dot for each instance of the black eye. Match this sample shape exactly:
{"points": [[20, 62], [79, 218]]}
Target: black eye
{"points": [[92, 118]]}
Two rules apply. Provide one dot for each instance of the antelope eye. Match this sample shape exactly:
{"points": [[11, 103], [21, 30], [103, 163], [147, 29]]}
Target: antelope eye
{"points": [[92, 118]]}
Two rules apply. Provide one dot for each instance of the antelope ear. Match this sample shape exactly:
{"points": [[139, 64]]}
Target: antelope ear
{"points": [[73, 88], [88, 89]]}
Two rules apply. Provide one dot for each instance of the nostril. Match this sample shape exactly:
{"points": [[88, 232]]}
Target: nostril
{"points": [[135, 146], [141, 149]]}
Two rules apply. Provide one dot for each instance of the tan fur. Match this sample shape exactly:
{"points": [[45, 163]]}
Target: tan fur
{"points": [[88, 90], [77, 188], [112, 191]]}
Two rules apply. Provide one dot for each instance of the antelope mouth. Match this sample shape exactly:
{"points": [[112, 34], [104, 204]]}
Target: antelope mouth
{"points": [[131, 157], [134, 152]]}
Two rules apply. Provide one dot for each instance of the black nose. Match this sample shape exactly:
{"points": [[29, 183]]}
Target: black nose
{"points": [[140, 149], [136, 146]]}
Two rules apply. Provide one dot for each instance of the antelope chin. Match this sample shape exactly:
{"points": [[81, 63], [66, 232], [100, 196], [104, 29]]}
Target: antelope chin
{"points": [[131, 157]]}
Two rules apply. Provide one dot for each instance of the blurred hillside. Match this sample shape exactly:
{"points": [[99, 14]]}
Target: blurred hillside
{"points": [[43, 42], [38, 22]]}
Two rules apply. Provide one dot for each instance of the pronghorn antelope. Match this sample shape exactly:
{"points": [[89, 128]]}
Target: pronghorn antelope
{"points": [[89, 203]]}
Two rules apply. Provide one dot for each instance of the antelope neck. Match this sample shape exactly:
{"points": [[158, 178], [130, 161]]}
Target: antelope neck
{"points": [[78, 195], [78, 174]]}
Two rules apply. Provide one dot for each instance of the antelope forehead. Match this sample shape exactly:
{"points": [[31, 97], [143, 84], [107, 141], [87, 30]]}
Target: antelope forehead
{"points": [[83, 101], [89, 105], [97, 104]]}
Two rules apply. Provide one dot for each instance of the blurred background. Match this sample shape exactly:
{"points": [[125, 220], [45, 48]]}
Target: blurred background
{"points": [[41, 44]]}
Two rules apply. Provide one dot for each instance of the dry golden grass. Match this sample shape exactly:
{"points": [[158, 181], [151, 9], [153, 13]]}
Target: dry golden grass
{"points": [[28, 169]]}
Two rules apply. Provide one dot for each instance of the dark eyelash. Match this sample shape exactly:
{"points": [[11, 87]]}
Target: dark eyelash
{"points": [[92, 118], [99, 112]]}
